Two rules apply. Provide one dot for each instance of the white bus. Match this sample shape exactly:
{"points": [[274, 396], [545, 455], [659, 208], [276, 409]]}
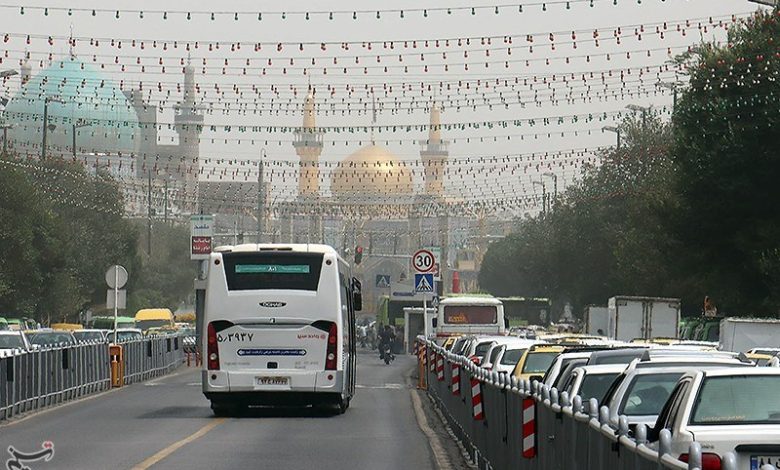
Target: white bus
{"points": [[279, 326], [469, 315]]}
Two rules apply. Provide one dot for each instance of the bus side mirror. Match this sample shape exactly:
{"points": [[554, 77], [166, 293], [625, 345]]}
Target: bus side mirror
{"points": [[357, 295], [506, 323], [435, 322]]}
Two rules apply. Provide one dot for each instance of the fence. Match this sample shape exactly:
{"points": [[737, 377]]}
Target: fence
{"points": [[508, 424], [45, 377]]}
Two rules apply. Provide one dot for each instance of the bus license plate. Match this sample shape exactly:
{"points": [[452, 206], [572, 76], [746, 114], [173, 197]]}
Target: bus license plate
{"points": [[756, 461], [273, 380]]}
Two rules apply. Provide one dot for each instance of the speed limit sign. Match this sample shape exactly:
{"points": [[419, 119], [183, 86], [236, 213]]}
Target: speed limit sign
{"points": [[423, 261]]}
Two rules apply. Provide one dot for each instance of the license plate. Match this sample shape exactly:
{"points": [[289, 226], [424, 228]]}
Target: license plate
{"points": [[756, 461], [273, 380]]}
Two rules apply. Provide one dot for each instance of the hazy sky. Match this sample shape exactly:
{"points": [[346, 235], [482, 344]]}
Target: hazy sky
{"points": [[581, 18]]}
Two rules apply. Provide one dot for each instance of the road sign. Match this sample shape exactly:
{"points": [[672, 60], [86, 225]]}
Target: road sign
{"points": [[116, 297], [383, 281], [116, 277], [423, 283], [201, 236], [423, 261]]}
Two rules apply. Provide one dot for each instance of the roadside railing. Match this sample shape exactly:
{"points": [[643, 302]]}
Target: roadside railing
{"points": [[44, 377], [505, 423]]}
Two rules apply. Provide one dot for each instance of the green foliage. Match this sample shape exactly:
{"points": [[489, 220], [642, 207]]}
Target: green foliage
{"points": [[684, 210], [61, 228], [727, 129]]}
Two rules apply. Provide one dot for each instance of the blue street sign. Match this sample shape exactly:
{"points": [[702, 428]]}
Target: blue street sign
{"points": [[423, 283], [383, 280]]}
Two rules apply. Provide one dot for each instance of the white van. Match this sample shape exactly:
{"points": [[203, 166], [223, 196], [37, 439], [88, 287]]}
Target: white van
{"points": [[469, 315], [280, 327]]}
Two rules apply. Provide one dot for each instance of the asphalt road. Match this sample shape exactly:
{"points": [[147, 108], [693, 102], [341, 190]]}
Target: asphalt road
{"points": [[167, 423]]}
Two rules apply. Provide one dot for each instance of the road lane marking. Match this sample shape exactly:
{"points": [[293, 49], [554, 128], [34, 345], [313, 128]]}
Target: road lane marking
{"points": [[437, 448], [384, 387], [156, 458]]}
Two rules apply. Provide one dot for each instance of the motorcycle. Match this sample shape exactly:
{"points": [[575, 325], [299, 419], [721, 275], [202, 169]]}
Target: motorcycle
{"points": [[387, 353]]}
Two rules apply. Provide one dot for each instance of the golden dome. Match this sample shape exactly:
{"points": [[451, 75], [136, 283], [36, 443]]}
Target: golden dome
{"points": [[371, 171]]}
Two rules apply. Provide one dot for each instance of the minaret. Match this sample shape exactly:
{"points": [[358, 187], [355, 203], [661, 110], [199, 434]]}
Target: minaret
{"points": [[308, 146], [434, 155], [189, 124]]}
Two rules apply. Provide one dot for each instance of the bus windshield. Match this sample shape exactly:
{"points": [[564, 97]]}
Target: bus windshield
{"points": [[470, 314], [256, 271]]}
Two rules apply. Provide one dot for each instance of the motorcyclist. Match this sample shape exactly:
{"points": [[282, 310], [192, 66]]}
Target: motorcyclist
{"points": [[386, 338]]}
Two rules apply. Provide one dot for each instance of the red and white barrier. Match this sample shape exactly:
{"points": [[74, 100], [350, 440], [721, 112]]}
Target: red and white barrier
{"points": [[529, 428], [476, 399], [434, 356], [456, 378], [440, 368]]}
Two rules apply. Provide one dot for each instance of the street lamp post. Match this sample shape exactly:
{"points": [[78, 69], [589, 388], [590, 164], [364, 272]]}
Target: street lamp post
{"points": [[614, 129], [260, 197], [77, 125], [46, 102]]}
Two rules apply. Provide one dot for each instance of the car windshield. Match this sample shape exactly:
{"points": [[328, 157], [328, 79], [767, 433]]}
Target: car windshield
{"points": [[51, 338], [647, 393], [538, 362], [482, 348], [596, 385], [11, 342], [125, 336], [88, 335], [745, 399], [511, 356]]}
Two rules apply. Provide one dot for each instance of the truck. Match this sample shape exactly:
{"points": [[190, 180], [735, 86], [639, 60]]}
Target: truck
{"points": [[632, 317], [596, 320], [742, 334]]}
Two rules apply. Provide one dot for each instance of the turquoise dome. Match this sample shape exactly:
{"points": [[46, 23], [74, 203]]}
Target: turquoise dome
{"points": [[89, 98]]}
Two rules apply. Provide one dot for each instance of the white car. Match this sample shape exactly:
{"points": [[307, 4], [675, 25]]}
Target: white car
{"points": [[90, 335], [725, 410], [642, 389], [125, 334], [11, 341], [592, 381], [561, 363], [509, 354], [499, 344]]}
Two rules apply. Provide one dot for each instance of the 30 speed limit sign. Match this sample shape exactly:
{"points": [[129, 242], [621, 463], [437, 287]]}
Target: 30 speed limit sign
{"points": [[423, 261]]}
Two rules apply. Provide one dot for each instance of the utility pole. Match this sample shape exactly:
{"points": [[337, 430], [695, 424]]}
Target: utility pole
{"points": [[149, 216], [643, 109], [77, 125], [260, 197], [544, 195], [165, 202], [46, 101]]}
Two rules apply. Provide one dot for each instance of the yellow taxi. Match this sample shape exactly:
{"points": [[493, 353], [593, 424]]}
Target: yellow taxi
{"points": [[536, 360], [447, 344], [759, 359]]}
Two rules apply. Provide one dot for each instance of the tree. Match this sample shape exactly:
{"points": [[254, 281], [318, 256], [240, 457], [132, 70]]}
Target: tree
{"points": [[726, 132]]}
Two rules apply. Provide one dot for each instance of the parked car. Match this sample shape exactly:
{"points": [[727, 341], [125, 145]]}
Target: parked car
{"points": [[725, 410], [13, 341], [561, 363], [125, 334], [642, 389], [51, 338], [535, 361], [592, 381], [92, 335], [498, 345]]}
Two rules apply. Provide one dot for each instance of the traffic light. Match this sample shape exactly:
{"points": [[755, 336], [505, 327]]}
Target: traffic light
{"points": [[358, 254]]}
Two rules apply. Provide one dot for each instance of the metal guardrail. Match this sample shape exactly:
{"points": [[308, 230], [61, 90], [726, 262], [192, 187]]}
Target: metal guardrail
{"points": [[504, 423], [49, 376]]}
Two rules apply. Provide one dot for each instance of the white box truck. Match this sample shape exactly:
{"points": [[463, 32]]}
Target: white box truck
{"points": [[742, 334], [596, 320], [642, 317]]}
